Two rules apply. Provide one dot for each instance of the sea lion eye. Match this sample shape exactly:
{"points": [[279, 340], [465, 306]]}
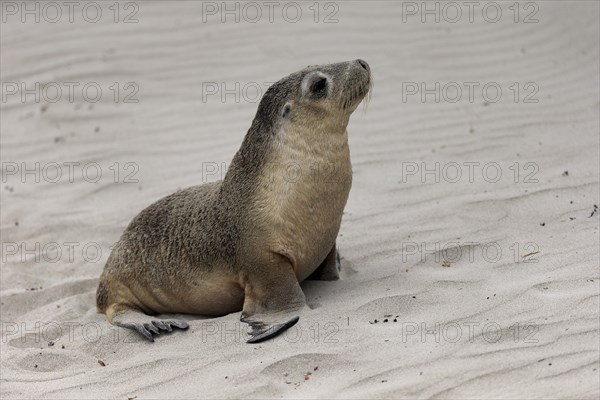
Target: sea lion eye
{"points": [[319, 87], [315, 85]]}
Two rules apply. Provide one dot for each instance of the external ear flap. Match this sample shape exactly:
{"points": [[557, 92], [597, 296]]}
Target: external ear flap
{"points": [[285, 111]]}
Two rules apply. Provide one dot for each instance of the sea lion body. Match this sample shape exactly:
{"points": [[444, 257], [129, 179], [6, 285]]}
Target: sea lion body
{"points": [[246, 242]]}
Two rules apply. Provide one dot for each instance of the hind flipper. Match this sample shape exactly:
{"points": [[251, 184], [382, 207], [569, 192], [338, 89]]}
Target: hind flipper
{"points": [[329, 270], [145, 325]]}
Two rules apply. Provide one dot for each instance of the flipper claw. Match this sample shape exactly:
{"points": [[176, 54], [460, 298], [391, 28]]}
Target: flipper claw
{"points": [[141, 330], [150, 326], [179, 324], [162, 325]]}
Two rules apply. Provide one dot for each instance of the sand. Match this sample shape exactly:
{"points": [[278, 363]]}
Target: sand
{"points": [[472, 286]]}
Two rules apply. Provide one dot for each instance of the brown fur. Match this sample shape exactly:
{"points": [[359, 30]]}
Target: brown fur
{"points": [[215, 248]]}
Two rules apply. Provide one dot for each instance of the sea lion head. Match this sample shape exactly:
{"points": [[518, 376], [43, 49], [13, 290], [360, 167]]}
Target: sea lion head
{"points": [[318, 97]]}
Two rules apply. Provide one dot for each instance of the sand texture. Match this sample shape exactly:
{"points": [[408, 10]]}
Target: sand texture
{"points": [[475, 285]]}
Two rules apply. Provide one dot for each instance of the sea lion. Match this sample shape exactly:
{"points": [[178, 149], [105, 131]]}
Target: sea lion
{"points": [[245, 243]]}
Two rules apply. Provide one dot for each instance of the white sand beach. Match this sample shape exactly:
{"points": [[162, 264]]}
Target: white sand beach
{"points": [[469, 243]]}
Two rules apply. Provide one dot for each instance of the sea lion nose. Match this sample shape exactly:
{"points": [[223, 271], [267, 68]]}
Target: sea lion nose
{"points": [[363, 64]]}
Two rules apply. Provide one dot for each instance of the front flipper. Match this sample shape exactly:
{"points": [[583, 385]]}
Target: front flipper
{"points": [[263, 330], [273, 298]]}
